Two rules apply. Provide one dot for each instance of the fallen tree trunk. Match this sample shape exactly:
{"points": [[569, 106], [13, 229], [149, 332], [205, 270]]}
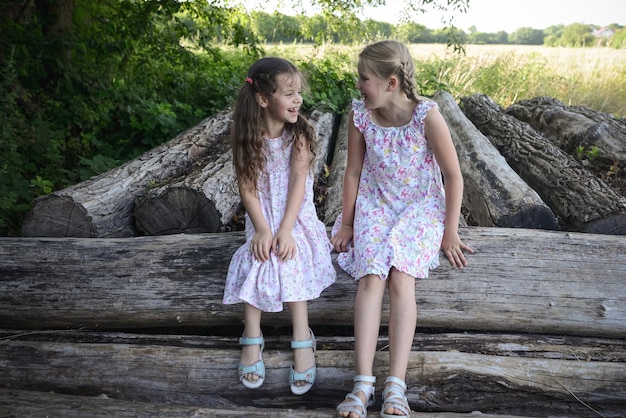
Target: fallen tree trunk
{"points": [[334, 191], [581, 201], [494, 194], [540, 281], [455, 372], [103, 205], [30, 403], [571, 127], [206, 199]]}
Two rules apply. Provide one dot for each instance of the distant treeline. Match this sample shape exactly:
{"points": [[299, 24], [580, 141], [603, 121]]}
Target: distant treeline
{"points": [[279, 27]]}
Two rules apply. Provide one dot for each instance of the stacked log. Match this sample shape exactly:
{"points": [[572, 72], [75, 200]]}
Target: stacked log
{"points": [[207, 199], [103, 205], [98, 320], [582, 201], [576, 127], [533, 325], [493, 193]]}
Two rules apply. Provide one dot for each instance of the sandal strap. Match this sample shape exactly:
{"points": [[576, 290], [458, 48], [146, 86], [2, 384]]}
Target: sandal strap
{"points": [[394, 396], [352, 400], [252, 341], [307, 376], [397, 381], [310, 343], [257, 368]]}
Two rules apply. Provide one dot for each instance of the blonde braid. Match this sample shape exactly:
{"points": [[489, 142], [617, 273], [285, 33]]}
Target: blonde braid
{"points": [[388, 57], [408, 81]]}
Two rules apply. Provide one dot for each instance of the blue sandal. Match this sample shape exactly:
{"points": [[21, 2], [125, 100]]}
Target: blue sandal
{"points": [[308, 375], [257, 368]]}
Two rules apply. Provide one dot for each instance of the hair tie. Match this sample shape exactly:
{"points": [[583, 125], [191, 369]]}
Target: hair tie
{"points": [[249, 80]]}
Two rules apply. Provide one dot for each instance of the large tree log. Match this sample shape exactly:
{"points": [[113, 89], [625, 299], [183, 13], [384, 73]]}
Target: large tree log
{"points": [[447, 372], [102, 206], [494, 194], [582, 201], [572, 126], [35, 404], [538, 281], [334, 192], [206, 199]]}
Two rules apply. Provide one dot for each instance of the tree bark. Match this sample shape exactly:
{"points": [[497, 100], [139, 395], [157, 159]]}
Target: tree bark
{"points": [[206, 199], [494, 194], [580, 200], [334, 193], [540, 281], [30, 403], [456, 372], [571, 127], [102, 206]]}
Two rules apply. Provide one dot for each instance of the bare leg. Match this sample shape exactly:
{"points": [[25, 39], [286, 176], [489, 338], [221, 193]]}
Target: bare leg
{"points": [[303, 359], [367, 316], [252, 329], [402, 322]]}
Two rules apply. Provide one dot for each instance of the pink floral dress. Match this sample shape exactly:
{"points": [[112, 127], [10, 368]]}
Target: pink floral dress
{"points": [[400, 205], [267, 285]]}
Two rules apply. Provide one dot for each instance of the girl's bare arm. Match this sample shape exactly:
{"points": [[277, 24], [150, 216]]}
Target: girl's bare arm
{"points": [[439, 138], [356, 153]]}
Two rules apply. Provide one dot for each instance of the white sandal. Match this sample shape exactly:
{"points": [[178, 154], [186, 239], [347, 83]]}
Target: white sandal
{"points": [[396, 399], [352, 400]]}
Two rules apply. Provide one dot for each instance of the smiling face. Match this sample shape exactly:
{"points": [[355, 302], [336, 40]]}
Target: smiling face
{"points": [[284, 104], [372, 89]]}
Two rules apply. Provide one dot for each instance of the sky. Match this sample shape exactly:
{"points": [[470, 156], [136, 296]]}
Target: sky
{"points": [[509, 15], [487, 15]]}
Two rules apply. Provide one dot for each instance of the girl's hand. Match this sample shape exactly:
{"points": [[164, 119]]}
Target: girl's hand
{"points": [[283, 245], [261, 244], [453, 247], [342, 238]]}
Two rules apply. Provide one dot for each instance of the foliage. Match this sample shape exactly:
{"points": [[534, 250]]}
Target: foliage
{"points": [[86, 86], [332, 82], [619, 39]]}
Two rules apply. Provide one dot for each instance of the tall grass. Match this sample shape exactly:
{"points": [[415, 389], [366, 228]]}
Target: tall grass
{"points": [[593, 77]]}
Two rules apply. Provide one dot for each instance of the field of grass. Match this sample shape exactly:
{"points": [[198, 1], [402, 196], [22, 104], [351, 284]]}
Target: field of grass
{"points": [[593, 77]]}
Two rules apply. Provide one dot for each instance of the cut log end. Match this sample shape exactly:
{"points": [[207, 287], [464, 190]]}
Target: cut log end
{"points": [[539, 217], [58, 216], [611, 225], [177, 211]]}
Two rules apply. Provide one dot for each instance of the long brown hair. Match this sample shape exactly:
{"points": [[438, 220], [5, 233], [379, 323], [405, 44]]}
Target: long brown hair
{"points": [[248, 128], [387, 58]]}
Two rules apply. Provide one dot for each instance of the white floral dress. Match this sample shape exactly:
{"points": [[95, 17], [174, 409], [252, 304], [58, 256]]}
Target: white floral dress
{"points": [[266, 285], [400, 205]]}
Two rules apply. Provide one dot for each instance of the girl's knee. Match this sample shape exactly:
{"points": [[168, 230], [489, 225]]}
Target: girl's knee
{"points": [[371, 282]]}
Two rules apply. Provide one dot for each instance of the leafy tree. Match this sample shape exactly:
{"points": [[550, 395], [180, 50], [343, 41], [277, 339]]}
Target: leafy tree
{"points": [[552, 35], [86, 85], [577, 35], [410, 32], [618, 40], [527, 36]]}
